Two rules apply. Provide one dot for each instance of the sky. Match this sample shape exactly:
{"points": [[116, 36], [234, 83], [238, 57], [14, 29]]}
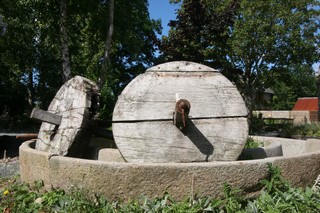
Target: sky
{"points": [[162, 9]]}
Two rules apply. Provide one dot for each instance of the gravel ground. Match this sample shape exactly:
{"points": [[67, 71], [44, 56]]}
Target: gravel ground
{"points": [[9, 167], [7, 160], [9, 155]]}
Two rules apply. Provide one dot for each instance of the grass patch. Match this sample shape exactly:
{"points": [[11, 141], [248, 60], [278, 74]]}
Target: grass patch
{"points": [[277, 196]]}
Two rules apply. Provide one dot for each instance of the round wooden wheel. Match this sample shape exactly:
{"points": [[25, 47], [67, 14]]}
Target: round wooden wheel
{"points": [[145, 117], [74, 103]]}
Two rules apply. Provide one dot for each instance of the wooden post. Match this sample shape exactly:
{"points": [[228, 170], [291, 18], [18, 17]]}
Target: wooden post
{"points": [[28, 136]]}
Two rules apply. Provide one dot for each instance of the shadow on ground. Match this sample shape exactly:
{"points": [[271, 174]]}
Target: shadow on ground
{"points": [[9, 146]]}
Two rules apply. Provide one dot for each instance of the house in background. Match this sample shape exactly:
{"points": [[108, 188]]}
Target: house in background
{"points": [[310, 106], [308, 103], [264, 100], [305, 110]]}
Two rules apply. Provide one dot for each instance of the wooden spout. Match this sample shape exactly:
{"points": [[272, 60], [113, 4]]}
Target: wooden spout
{"points": [[181, 113]]}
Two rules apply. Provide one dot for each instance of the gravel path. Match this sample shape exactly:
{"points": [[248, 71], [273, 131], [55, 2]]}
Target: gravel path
{"points": [[9, 167]]}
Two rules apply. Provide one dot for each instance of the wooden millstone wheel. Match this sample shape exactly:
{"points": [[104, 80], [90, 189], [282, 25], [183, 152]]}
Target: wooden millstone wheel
{"points": [[74, 104], [180, 112]]}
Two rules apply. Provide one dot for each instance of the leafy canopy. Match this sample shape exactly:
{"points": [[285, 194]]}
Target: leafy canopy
{"points": [[248, 41]]}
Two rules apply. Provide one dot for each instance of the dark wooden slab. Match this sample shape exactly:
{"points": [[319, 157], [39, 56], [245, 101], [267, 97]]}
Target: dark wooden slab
{"points": [[45, 116]]}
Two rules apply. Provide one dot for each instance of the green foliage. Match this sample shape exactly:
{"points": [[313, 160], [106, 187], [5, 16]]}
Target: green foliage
{"points": [[277, 196], [305, 130], [257, 124], [290, 83], [199, 33], [30, 56], [251, 41], [283, 129], [233, 199], [251, 143], [267, 36], [275, 183]]}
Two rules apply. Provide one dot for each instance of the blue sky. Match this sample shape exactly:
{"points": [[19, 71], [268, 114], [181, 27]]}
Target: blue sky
{"points": [[162, 9]]}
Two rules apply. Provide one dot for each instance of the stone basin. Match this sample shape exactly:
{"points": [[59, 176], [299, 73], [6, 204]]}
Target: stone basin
{"points": [[300, 164]]}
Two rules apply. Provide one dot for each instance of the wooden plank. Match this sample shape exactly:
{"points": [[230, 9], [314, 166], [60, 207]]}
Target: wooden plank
{"points": [[162, 142], [45, 116]]}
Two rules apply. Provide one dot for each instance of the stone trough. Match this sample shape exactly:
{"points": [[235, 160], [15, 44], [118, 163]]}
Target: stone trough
{"points": [[121, 180], [180, 128]]}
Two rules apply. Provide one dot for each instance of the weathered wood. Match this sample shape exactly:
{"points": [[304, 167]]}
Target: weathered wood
{"points": [[144, 129], [74, 102], [45, 116], [152, 96], [202, 140], [181, 66]]}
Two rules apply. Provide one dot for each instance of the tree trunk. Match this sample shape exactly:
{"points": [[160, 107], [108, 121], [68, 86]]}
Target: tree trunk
{"points": [[64, 41], [106, 56], [249, 95], [30, 89], [318, 88]]}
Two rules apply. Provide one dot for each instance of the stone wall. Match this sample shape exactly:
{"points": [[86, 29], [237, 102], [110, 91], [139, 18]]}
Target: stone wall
{"points": [[314, 116], [121, 180]]}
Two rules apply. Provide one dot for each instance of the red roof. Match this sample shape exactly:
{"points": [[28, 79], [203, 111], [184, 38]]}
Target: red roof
{"points": [[310, 104]]}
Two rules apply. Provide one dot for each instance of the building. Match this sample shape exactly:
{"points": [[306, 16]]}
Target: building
{"points": [[264, 100], [309, 104], [304, 111]]}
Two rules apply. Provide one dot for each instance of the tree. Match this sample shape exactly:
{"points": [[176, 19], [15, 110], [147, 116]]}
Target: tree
{"points": [[66, 69], [17, 57], [31, 55], [290, 83], [269, 35], [254, 38], [3, 27], [133, 45], [107, 49], [199, 33]]}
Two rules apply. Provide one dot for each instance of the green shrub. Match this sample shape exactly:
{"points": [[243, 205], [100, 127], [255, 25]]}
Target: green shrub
{"points": [[277, 196], [257, 124], [303, 130], [251, 143]]}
